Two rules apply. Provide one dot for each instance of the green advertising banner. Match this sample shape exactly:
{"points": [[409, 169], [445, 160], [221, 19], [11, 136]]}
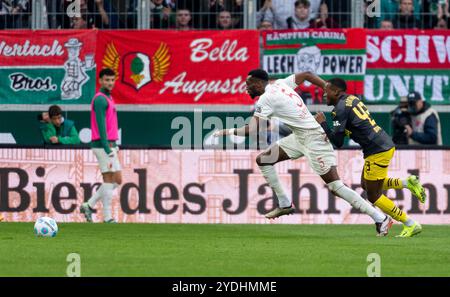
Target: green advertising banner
{"points": [[327, 53], [47, 67]]}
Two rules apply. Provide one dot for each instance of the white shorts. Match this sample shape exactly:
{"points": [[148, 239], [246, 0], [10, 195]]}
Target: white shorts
{"points": [[312, 144], [106, 163]]}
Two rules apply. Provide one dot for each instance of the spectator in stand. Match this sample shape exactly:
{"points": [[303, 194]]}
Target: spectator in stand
{"points": [[314, 9], [183, 19], [102, 15], [57, 130], [442, 24], [323, 21], [237, 10], [80, 22], [14, 14], [65, 21], [224, 20], [406, 19], [160, 13], [171, 3], [426, 126], [300, 20], [265, 25], [96, 15], [443, 15], [5, 11], [386, 25], [277, 12], [260, 15], [210, 19]]}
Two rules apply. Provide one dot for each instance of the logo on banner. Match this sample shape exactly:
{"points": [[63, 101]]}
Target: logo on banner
{"points": [[138, 69], [75, 76], [308, 59]]}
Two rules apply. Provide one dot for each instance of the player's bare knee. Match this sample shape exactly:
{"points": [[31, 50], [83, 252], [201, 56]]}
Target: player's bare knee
{"points": [[118, 179]]}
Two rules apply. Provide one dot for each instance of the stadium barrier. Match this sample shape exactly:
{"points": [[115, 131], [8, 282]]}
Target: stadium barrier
{"points": [[157, 128], [209, 186]]}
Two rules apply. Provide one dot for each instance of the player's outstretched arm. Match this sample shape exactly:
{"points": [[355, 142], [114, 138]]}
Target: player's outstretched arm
{"points": [[311, 77], [245, 130]]}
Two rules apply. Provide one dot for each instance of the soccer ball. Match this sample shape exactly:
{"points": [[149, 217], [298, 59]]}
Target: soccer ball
{"points": [[45, 227]]}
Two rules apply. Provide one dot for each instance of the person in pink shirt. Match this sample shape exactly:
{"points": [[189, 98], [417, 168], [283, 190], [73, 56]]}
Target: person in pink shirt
{"points": [[104, 126]]}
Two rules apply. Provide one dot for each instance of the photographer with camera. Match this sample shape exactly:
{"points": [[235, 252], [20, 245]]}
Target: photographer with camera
{"points": [[57, 130], [425, 125], [400, 118]]}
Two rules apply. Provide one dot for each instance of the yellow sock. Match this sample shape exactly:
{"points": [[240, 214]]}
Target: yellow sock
{"points": [[388, 207], [392, 183]]}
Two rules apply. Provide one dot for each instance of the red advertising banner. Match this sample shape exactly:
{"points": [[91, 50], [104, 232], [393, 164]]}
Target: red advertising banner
{"points": [[399, 61], [418, 49], [179, 67]]}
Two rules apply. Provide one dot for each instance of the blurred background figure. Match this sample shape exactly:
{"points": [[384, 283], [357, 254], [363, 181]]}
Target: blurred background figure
{"points": [[323, 20], [386, 25], [15, 14], [278, 11], [426, 126], [57, 130], [300, 19], [405, 18], [265, 25], [183, 19], [224, 20], [400, 118], [160, 12]]}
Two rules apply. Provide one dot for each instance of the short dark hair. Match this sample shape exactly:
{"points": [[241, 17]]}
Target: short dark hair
{"points": [[338, 83], [259, 74], [305, 3], [54, 110], [107, 72]]}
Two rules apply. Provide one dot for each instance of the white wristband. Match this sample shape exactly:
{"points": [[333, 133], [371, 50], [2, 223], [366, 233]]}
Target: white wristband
{"points": [[231, 131]]}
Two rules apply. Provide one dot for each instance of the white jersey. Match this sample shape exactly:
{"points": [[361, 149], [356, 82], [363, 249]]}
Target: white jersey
{"points": [[281, 101]]}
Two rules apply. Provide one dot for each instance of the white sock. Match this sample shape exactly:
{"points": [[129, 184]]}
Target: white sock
{"points": [[107, 197], [271, 177], [409, 222], [97, 196], [404, 183], [356, 200]]}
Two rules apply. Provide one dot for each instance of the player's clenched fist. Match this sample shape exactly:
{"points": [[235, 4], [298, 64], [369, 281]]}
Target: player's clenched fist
{"points": [[320, 117]]}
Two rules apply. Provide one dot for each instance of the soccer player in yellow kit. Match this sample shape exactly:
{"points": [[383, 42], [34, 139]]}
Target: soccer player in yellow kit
{"points": [[352, 118]]}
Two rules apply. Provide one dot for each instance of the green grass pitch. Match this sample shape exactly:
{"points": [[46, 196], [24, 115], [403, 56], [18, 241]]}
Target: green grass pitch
{"points": [[222, 250]]}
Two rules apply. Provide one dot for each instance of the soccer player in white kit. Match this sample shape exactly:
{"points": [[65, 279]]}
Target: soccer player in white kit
{"points": [[307, 140]]}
